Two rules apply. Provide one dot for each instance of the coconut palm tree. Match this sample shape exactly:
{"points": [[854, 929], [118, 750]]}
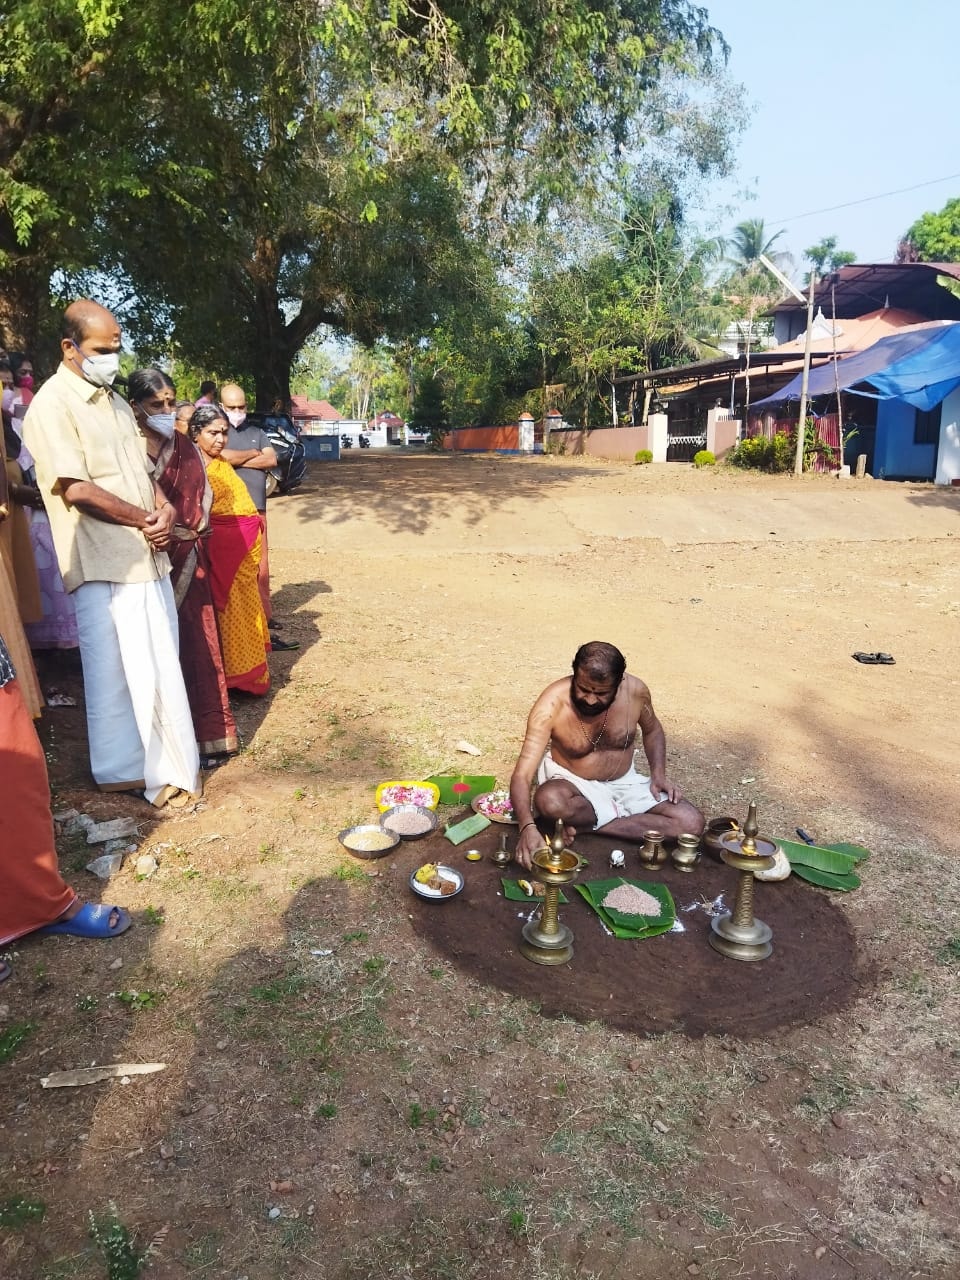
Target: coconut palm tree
{"points": [[749, 241]]}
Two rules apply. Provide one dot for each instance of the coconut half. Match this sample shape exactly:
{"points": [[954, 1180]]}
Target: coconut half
{"points": [[779, 871]]}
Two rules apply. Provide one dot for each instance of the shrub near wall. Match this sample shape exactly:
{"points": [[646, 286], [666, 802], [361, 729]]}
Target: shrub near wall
{"points": [[763, 454]]}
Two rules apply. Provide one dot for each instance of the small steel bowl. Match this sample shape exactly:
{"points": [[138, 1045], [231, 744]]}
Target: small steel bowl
{"points": [[427, 818], [369, 833]]}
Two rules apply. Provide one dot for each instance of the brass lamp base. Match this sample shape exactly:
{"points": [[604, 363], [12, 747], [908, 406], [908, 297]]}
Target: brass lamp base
{"points": [[738, 934], [546, 940], [546, 948], [737, 942]]}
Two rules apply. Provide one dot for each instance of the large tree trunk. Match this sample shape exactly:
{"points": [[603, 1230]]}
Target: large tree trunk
{"points": [[272, 357], [23, 297], [276, 342], [272, 380]]}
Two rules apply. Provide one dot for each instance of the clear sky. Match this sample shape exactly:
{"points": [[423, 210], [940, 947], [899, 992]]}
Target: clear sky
{"points": [[851, 98]]}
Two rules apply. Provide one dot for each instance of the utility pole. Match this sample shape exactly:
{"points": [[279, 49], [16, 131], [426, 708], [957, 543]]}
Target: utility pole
{"points": [[805, 380]]}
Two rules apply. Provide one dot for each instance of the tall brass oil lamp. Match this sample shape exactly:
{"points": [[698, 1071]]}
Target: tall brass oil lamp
{"points": [[738, 934], [545, 939]]}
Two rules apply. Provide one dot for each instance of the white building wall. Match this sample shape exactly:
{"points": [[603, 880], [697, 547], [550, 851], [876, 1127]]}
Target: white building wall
{"points": [[948, 455]]}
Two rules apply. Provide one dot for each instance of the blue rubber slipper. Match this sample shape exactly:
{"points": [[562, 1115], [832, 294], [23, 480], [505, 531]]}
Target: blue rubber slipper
{"points": [[91, 922]]}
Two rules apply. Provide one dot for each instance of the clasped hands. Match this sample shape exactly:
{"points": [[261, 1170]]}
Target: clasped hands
{"points": [[158, 526]]}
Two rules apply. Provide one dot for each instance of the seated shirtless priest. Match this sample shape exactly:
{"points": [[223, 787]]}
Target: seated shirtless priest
{"points": [[579, 747]]}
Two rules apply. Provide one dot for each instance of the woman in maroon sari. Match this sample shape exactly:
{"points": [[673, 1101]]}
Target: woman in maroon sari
{"points": [[180, 473]]}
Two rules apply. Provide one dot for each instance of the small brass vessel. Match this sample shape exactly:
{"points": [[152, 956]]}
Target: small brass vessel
{"points": [[687, 853], [716, 827], [500, 857], [652, 852], [545, 939], [738, 934]]}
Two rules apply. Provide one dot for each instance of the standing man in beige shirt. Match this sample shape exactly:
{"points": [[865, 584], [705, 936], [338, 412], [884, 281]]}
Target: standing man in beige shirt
{"points": [[110, 524]]}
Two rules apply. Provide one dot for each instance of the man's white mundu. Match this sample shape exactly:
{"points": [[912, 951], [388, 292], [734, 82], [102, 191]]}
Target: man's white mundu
{"points": [[137, 711]]}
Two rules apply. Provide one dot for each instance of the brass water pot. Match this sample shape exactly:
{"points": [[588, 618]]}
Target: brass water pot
{"points": [[687, 853], [652, 852]]}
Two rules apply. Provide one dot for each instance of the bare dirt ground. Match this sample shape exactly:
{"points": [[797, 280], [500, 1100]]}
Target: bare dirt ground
{"points": [[344, 1096]]}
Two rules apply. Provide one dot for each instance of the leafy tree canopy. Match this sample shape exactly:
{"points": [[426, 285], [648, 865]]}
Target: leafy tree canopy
{"points": [[750, 241], [639, 301], [934, 237], [256, 171], [826, 257]]}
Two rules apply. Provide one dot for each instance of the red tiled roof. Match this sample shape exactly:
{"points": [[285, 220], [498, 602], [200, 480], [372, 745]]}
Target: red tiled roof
{"points": [[301, 407]]}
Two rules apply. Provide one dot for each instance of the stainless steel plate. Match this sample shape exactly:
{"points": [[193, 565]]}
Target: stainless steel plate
{"points": [[446, 873]]}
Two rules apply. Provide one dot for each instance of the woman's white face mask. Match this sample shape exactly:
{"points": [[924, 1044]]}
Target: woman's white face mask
{"points": [[164, 424]]}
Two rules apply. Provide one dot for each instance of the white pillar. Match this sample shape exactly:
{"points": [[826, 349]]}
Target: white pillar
{"points": [[658, 437]]}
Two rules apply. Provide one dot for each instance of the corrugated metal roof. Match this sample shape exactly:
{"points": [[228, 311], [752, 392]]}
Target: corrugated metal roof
{"points": [[871, 286]]}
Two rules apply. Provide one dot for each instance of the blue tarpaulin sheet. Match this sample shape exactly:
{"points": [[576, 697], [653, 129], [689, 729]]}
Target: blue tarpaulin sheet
{"points": [[920, 367]]}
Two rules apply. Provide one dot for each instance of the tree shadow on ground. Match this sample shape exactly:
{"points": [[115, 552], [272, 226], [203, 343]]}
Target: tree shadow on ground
{"points": [[300, 624], [940, 495], [80, 1011], [407, 494], [291, 1086]]}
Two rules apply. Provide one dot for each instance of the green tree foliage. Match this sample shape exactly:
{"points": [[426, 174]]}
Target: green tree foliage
{"points": [[53, 57], [430, 415], [746, 288], [826, 257], [480, 353], [368, 383], [749, 241], [638, 302], [256, 171], [934, 237]]}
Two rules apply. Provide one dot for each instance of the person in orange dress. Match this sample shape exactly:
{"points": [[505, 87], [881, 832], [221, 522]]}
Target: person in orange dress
{"points": [[34, 897], [11, 626], [235, 542]]}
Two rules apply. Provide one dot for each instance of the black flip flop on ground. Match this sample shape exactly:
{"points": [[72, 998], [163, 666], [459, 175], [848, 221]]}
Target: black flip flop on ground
{"points": [[875, 659]]}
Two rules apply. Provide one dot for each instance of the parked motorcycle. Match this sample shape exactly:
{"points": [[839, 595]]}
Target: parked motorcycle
{"points": [[346, 442], [364, 442], [284, 435]]}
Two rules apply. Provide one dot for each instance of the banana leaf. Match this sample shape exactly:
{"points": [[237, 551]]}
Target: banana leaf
{"points": [[856, 851], [620, 930], [513, 893], [842, 883], [821, 859], [624, 926], [468, 827]]}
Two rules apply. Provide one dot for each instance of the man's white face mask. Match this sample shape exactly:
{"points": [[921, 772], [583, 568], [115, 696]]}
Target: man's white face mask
{"points": [[100, 369], [236, 417]]}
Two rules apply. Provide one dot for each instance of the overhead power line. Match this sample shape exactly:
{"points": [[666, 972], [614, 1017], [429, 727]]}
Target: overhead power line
{"points": [[795, 217]]}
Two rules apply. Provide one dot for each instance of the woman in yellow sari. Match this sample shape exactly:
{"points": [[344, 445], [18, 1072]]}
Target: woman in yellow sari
{"points": [[235, 541]]}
